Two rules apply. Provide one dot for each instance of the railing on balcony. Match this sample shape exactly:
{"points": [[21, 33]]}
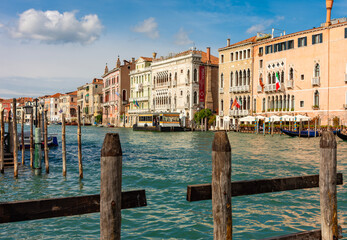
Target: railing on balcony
{"points": [[239, 89], [272, 87], [259, 89], [290, 84], [140, 70], [221, 113], [238, 112], [315, 81]]}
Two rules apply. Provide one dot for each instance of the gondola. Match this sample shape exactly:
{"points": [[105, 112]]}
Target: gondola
{"points": [[342, 136], [302, 134], [52, 141]]}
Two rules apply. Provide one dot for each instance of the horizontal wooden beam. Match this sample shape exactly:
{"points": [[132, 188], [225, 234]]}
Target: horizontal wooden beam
{"points": [[240, 188], [313, 234], [59, 207]]}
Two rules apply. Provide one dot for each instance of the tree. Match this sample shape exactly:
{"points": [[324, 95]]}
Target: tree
{"points": [[203, 113]]}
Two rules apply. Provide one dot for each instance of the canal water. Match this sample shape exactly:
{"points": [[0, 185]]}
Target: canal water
{"points": [[164, 164]]}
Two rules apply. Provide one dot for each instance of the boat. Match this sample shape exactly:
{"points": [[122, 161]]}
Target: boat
{"points": [[52, 141], [342, 136], [158, 122], [304, 134]]}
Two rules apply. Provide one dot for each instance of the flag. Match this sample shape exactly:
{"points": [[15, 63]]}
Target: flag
{"points": [[234, 104], [117, 94], [261, 84], [134, 103], [231, 104], [278, 84], [239, 103], [137, 104], [60, 111]]}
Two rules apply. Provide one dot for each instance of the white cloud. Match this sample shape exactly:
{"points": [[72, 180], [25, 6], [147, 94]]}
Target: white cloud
{"points": [[265, 24], [55, 27], [149, 27], [182, 38]]}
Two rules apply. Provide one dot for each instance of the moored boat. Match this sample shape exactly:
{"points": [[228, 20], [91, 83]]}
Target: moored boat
{"points": [[342, 136], [159, 122], [52, 141], [302, 133]]}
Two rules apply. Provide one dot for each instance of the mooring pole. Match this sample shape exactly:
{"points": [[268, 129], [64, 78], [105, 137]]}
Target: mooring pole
{"points": [[264, 127], [22, 138], [80, 167], [111, 187], [315, 127], [221, 187], [45, 132], [38, 153], [31, 139], [2, 141], [327, 186], [15, 138], [63, 144]]}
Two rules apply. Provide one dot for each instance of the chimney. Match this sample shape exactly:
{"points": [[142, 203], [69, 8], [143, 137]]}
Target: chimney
{"points": [[329, 6], [154, 54], [208, 49], [228, 42], [132, 60]]}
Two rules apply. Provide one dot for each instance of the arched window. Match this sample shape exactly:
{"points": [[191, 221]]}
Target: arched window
{"points": [[280, 104], [249, 103], [188, 75], [236, 78], [254, 105], [175, 76], [244, 77], [195, 98], [195, 75], [282, 77], [284, 102], [293, 103], [248, 77], [273, 78], [221, 105], [248, 53], [291, 74], [316, 98], [240, 78], [264, 106], [268, 103], [272, 102], [231, 56], [237, 56], [222, 80], [231, 79], [124, 95], [317, 70], [269, 78]]}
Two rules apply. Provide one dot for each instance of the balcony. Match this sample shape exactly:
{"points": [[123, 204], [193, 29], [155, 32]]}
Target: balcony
{"points": [[138, 87], [221, 113], [238, 113], [239, 89], [221, 90], [140, 70], [259, 89], [315, 81], [272, 87], [290, 84]]}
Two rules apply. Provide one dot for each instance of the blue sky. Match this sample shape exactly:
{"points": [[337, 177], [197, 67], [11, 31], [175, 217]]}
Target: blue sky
{"points": [[56, 46]]}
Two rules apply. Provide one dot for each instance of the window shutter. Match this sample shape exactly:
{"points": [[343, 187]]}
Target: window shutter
{"points": [[321, 37], [305, 41], [313, 39]]}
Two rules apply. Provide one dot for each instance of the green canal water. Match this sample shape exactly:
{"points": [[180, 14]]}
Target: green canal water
{"points": [[164, 164]]}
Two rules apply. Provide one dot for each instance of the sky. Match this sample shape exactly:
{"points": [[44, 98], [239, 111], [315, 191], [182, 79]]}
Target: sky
{"points": [[56, 46]]}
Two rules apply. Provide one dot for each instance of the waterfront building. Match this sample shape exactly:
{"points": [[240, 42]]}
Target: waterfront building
{"points": [[235, 81], [185, 83], [68, 106], [116, 92], [311, 66], [88, 100], [53, 114], [7, 106], [140, 88]]}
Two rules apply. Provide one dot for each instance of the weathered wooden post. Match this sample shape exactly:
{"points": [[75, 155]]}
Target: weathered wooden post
{"points": [[2, 141], [327, 186], [38, 153], [22, 138], [280, 126], [63, 144], [110, 187], [45, 132], [264, 127], [15, 138], [31, 139], [80, 167], [10, 133], [221, 187], [272, 128]]}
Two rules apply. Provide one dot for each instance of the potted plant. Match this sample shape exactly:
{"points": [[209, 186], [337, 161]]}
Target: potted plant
{"points": [[315, 107]]}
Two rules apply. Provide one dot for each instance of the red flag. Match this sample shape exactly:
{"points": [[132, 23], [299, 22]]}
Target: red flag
{"points": [[261, 84]]}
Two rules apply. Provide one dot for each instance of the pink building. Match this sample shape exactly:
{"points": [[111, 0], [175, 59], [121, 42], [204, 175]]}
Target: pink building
{"points": [[116, 92]]}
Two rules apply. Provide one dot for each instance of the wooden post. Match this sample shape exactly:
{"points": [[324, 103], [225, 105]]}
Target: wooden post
{"points": [[110, 187], [80, 167], [300, 128], [15, 138], [280, 126], [31, 139], [63, 144], [10, 133], [45, 142], [308, 129], [315, 127], [327, 186], [221, 187], [272, 128], [38, 152], [2, 142], [22, 138], [264, 127]]}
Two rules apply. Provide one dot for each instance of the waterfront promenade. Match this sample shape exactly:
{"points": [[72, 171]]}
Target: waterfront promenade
{"points": [[164, 164]]}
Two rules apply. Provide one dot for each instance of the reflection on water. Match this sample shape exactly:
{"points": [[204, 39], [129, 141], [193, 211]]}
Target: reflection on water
{"points": [[164, 164]]}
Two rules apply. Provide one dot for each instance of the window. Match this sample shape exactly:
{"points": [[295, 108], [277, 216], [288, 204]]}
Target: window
{"points": [[301, 103], [254, 105], [345, 32], [291, 74], [302, 77], [195, 75], [221, 80], [302, 42], [124, 95], [248, 53], [268, 49], [316, 99], [261, 51], [240, 55], [317, 70], [222, 58], [282, 76], [231, 79], [244, 54], [181, 93], [290, 44], [195, 97], [231, 56], [221, 105], [318, 38], [260, 63], [263, 105], [237, 56]]}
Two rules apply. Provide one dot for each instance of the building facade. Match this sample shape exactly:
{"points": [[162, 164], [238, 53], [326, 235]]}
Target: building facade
{"points": [[140, 88], [68, 106], [185, 83], [88, 100]]}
